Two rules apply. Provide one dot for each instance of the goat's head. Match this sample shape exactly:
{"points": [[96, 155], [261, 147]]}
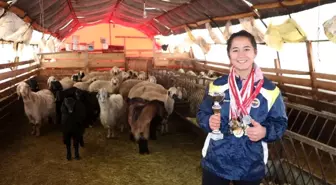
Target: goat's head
{"points": [[50, 79], [81, 74], [102, 95], [115, 70], [23, 90], [79, 94], [70, 103], [125, 75], [55, 86], [114, 81]]}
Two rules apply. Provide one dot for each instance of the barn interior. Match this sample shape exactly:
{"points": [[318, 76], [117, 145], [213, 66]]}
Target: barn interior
{"points": [[182, 45]]}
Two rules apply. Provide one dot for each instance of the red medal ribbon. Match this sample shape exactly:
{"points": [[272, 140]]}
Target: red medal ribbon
{"points": [[244, 99]]}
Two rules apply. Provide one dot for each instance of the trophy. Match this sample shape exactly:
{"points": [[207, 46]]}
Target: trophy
{"points": [[217, 97]]}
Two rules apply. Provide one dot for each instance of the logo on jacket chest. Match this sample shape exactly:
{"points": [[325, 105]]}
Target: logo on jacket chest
{"points": [[255, 103]]}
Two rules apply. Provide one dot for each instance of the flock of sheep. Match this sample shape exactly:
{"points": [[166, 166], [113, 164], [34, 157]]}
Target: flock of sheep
{"points": [[118, 99], [81, 100]]}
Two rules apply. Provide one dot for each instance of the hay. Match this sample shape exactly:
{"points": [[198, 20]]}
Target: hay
{"points": [[174, 158]]}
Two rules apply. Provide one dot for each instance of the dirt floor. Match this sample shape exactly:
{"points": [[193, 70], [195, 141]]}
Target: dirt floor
{"points": [[174, 159]]}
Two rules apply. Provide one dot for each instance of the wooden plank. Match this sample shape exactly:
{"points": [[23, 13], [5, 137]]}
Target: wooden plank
{"points": [[64, 55], [311, 68], [331, 86], [284, 71], [10, 74], [8, 92], [107, 56], [319, 105], [216, 63], [325, 76], [17, 80], [171, 55], [63, 64], [289, 80], [307, 93], [100, 64], [8, 65], [282, 4]]}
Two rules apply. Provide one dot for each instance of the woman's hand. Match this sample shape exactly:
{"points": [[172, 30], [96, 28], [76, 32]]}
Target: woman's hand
{"points": [[214, 121], [256, 132]]}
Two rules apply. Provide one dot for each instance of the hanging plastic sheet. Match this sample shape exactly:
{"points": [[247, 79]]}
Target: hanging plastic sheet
{"points": [[227, 32], [330, 29], [249, 25], [289, 31], [212, 34]]}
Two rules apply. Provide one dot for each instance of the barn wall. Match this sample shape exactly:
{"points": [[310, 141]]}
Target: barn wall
{"points": [[93, 34]]}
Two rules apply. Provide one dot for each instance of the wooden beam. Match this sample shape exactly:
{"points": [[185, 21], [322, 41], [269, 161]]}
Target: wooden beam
{"points": [[331, 86], [12, 64], [289, 80], [311, 68], [63, 64], [325, 76], [318, 105], [307, 93], [11, 74], [283, 4], [280, 72], [248, 14], [107, 56], [18, 79]]}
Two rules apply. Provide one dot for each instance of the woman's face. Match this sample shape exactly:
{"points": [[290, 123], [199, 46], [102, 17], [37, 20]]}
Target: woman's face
{"points": [[242, 53]]}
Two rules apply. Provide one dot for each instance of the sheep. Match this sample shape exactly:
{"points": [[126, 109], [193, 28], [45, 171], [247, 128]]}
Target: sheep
{"points": [[111, 86], [73, 126], [91, 104], [192, 73], [141, 76], [66, 82], [124, 76], [149, 91], [126, 86], [175, 93], [181, 70], [33, 84], [133, 74], [140, 118], [151, 79], [84, 85], [78, 77], [60, 95], [115, 71], [112, 111], [38, 106], [211, 74]]}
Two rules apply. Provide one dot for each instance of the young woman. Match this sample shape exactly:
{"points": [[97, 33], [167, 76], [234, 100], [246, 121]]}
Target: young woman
{"points": [[252, 114]]}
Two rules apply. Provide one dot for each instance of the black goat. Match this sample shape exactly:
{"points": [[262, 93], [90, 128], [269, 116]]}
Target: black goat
{"points": [[60, 95], [91, 103], [33, 84], [78, 77], [73, 119]]}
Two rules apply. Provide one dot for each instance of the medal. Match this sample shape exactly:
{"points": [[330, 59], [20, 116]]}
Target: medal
{"points": [[240, 101]]}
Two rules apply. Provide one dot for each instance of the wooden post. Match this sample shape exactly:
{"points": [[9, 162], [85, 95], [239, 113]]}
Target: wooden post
{"points": [[86, 62], [311, 69], [277, 66]]}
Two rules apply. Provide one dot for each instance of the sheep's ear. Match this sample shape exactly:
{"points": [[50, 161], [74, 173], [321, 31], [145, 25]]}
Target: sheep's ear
{"points": [[97, 95]]}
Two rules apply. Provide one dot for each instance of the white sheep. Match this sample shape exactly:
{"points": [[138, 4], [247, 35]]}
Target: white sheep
{"points": [[111, 86], [181, 70], [115, 70], [190, 72], [112, 111], [84, 85], [38, 106], [141, 76], [152, 79], [66, 82]]}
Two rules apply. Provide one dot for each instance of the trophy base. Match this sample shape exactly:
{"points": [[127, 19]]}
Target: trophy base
{"points": [[216, 135]]}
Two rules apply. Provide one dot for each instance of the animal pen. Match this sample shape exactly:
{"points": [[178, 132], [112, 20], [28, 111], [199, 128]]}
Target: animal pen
{"points": [[304, 156]]}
